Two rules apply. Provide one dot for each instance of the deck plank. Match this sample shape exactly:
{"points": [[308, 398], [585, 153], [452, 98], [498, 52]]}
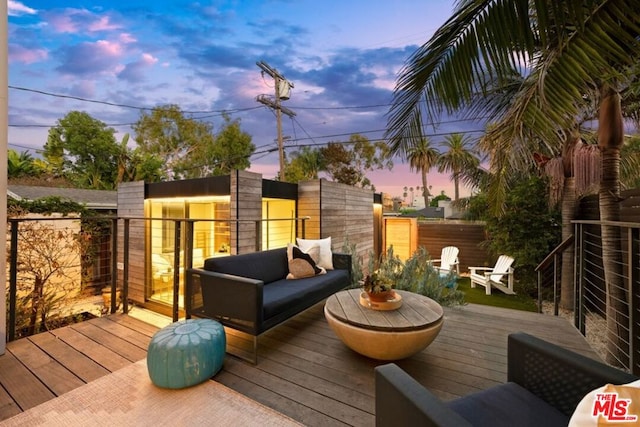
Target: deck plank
{"points": [[115, 343], [82, 366], [55, 376], [24, 388], [103, 356], [303, 370]]}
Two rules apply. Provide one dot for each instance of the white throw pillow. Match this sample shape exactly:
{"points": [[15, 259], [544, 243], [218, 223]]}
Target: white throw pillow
{"points": [[326, 260]]}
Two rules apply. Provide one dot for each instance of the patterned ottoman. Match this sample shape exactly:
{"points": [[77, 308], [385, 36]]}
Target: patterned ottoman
{"points": [[186, 353]]}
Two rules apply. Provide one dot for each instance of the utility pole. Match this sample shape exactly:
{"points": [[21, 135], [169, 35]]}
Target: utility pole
{"points": [[282, 87]]}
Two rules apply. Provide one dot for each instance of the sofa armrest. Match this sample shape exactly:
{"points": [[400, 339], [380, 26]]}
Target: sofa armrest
{"points": [[558, 376], [402, 401], [342, 262], [233, 300]]}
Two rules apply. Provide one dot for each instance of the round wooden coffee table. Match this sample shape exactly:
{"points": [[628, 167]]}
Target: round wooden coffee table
{"points": [[384, 335]]}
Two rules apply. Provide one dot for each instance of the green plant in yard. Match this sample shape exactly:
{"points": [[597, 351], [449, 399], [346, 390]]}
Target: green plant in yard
{"points": [[418, 276], [356, 262]]}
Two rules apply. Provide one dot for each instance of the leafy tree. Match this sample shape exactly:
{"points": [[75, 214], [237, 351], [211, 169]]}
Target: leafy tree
{"points": [[457, 158], [305, 164], [349, 166], [48, 264], [177, 140], [231, 149], [188, 148], [422, 156], [436, 199], [528, 230], [630, 154], [83, 150], [21, 165]]}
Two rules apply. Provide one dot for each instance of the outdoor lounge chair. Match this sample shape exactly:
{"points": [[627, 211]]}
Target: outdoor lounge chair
{"points": [[448, 260], [544, 385], [492, 277]]}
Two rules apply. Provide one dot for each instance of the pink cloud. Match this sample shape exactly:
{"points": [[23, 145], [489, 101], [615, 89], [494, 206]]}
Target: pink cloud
{"points": [[80, 20], [127, 38], [103, 23], [63, 24], [21, 54], [149, 59], [109, 48]]}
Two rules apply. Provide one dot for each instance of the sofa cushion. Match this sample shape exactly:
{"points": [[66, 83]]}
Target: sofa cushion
{"points": [[302, 264], [325, 260], [284, 294], [507, 405], [268, 266]]}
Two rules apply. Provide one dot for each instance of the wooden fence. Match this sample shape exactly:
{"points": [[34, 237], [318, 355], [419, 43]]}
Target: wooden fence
{"points": [[435, 235]]}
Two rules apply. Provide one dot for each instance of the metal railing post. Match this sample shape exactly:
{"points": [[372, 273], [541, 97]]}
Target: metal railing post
{"points": [[125, 273], [176, 269], [13, 280], [556, 296], [634, 297], [578, 265], [257, 247], [114, 263]]}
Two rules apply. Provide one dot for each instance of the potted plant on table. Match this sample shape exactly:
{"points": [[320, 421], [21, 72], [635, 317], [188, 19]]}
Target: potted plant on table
{"points": [[380, 283]]}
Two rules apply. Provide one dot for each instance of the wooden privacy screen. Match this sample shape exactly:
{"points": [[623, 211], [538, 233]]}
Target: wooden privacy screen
{"points": [[402, 234]]}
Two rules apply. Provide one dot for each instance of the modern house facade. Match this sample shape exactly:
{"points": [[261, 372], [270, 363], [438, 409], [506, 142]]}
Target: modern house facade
{"points": [[227, 215]]}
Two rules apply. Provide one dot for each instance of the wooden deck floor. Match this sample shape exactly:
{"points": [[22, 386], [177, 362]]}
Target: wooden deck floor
{"points": [[303, 371]]}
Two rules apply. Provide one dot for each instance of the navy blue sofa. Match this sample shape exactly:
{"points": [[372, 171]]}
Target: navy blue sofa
{"points": [[545, 383], [250, 292]]}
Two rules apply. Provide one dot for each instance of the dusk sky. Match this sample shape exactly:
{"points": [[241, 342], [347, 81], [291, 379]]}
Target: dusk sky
{"points": [[342, 56]]}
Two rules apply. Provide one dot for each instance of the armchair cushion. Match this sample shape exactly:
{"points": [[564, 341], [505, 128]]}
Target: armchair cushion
{"points": [[507, 405]]}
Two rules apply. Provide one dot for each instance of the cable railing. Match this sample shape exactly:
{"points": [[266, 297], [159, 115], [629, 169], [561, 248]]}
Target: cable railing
{"points": [[608, 288], [59, 266], [606, 306], [549, 272]]}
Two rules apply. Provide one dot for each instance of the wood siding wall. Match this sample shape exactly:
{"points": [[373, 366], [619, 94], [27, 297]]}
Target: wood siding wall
{"points": [[339, 211], [131, 204], [589, 208], [246, 204]]}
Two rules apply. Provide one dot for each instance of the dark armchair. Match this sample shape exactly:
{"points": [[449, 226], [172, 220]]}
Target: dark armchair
{"points": [[545, 383]]}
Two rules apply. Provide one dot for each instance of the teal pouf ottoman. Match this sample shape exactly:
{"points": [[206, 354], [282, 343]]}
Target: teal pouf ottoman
{"points": [[186, 353]]}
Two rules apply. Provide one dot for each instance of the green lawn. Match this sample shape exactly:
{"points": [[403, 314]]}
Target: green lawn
{"points": [[496, 299]]}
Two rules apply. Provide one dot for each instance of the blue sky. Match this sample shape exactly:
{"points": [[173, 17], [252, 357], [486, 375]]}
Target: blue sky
{"points": [[342, 56]]}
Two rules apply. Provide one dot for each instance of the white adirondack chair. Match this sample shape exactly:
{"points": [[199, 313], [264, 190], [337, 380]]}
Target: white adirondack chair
{"points": [[447, 261], [493, 277]]}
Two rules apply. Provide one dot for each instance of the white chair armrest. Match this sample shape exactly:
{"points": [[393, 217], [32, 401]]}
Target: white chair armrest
{"points": [[473, 269]]}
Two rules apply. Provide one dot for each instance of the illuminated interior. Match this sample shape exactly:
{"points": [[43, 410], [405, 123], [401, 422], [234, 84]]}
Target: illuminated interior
{"points": [[211, 237], [277, 232]]}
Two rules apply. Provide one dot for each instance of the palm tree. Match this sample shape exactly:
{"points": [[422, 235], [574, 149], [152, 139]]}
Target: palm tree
{"points": [[20, 164], [563, 51], [422, 157], [457, 158]]}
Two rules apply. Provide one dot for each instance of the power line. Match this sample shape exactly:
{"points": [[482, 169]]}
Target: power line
{"points": [[113, 104]]}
